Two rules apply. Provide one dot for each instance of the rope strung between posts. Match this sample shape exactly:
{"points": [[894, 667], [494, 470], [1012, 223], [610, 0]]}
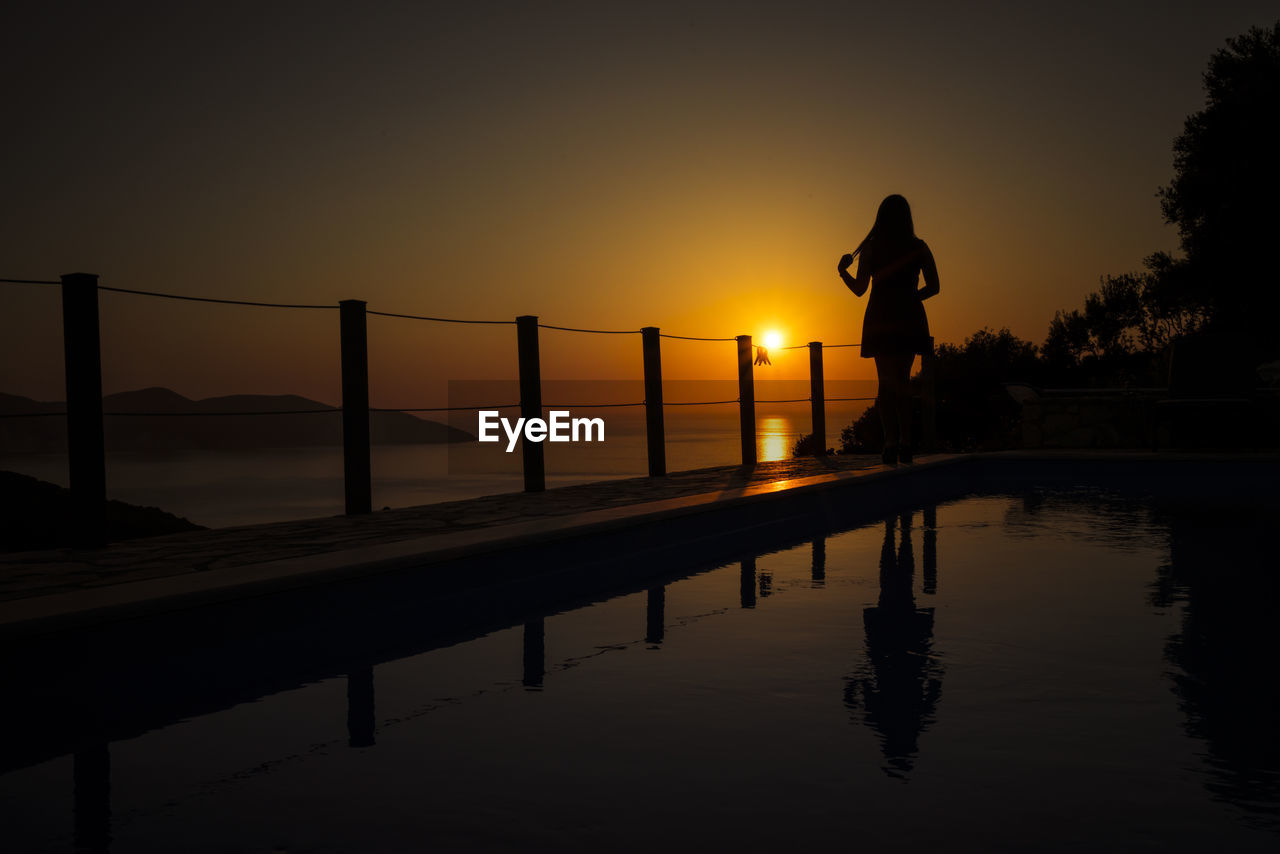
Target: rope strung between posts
{"points": [[211, 299], [698, 402], [762, 353], [691, 338], [179, 414], [437, 319], [220, 414], [407, 409], [597, 331], [590, 405], [445, 408]]}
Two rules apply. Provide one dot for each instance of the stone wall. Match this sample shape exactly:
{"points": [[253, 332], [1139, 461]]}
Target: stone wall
{"points": [[1090, 419]]}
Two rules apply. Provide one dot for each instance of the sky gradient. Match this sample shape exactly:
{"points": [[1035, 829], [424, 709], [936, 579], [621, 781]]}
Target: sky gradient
{"points": [[700, 167]]}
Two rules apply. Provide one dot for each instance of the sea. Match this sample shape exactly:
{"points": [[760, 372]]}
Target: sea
{"points": [[229, 488]]}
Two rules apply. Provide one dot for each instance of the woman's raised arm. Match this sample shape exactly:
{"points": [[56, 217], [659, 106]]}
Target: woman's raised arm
{"points": [[856, 284]]}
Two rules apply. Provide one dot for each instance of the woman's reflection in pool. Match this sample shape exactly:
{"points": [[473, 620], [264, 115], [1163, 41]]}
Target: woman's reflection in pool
{"points": [[896, 691]]}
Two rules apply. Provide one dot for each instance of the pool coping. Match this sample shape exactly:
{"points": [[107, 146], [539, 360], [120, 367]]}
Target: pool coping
{"points": [[100, 605]]}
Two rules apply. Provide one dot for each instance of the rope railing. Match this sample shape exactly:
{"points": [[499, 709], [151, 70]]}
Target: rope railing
{"points": [[438, 319], [85, 413], [699, 402], [211, 299], [693, 338], [596, 331], [443, 408], [338, 409], [431, 318]]}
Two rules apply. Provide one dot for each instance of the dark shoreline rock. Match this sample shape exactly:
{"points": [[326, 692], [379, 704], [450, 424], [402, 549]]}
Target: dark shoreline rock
{"points": [[38, 515]]}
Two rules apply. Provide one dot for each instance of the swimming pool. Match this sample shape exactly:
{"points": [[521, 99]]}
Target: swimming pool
{"points": [[1042, 669]]}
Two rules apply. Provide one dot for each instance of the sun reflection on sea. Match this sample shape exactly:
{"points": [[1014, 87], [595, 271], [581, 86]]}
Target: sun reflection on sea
{"points": [[774, 437]]}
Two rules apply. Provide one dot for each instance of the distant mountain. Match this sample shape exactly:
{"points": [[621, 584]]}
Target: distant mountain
{"points": [[178, 425]]}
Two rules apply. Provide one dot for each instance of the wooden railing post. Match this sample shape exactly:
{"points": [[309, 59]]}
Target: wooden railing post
{"points": [[86, 447], [653, 421], [535, 478], [357, 472], [817, 399], [746, 401], [928, 401]]}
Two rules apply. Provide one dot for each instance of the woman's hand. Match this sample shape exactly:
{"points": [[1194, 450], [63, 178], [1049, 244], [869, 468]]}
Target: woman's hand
{"points": [[846, 261]]}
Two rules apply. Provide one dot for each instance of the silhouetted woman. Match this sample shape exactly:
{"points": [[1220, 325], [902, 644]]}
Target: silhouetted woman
{"points": [[891, 259]]}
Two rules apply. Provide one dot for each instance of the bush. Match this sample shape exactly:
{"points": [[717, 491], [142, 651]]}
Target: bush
{"points": [[806, 446]]}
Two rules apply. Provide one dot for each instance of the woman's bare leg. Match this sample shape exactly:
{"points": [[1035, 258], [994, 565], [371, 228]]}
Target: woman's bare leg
{"points": [[886, 399], [903, 369]]}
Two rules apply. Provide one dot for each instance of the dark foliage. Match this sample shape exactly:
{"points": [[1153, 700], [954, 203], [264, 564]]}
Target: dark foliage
{"points": [[1226, 186], [805, 446], [1122, 335], [974, 410]]}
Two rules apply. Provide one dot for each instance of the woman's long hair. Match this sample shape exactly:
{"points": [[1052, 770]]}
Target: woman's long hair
{"points": [[893, 229]]}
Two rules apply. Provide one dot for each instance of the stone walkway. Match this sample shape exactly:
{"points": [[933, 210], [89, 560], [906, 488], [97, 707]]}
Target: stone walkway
{"points": [[35, 574]]}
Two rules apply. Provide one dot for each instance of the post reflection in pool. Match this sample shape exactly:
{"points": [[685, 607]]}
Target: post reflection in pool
{"points": [[360, 714], [655, 616], [897, 689], [1015, 728], [91, 770], [534, 654], [818, 567], [747, 586]]}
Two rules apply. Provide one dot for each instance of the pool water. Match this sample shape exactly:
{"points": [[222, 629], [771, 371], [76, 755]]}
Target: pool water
{"points": [[1050, 671]]}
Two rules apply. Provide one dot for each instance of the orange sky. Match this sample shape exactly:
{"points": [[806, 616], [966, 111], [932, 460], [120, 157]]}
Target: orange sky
{"points": [[697, 170]]}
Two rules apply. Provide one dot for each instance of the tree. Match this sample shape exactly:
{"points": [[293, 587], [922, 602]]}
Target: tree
{"points": [[1225, 194], [1121, 334]]}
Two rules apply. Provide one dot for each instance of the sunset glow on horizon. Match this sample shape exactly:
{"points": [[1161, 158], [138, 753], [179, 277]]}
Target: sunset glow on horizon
{"points": [[700, 169]]}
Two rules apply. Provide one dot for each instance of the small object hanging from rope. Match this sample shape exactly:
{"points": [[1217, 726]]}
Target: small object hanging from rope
{"points": [[762, 356]]}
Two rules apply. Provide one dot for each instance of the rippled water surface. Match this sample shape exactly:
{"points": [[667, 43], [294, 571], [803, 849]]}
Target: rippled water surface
{"points": [[1049, 671]]}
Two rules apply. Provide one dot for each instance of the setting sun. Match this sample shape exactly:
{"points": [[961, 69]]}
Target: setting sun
{"points": [[772, 340]]}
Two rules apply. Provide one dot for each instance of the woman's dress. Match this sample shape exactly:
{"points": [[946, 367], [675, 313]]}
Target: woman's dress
{"points": [[895, 323]]}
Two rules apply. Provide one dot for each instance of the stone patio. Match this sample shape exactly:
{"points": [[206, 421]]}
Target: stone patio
{"points": [[25, 575]]}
